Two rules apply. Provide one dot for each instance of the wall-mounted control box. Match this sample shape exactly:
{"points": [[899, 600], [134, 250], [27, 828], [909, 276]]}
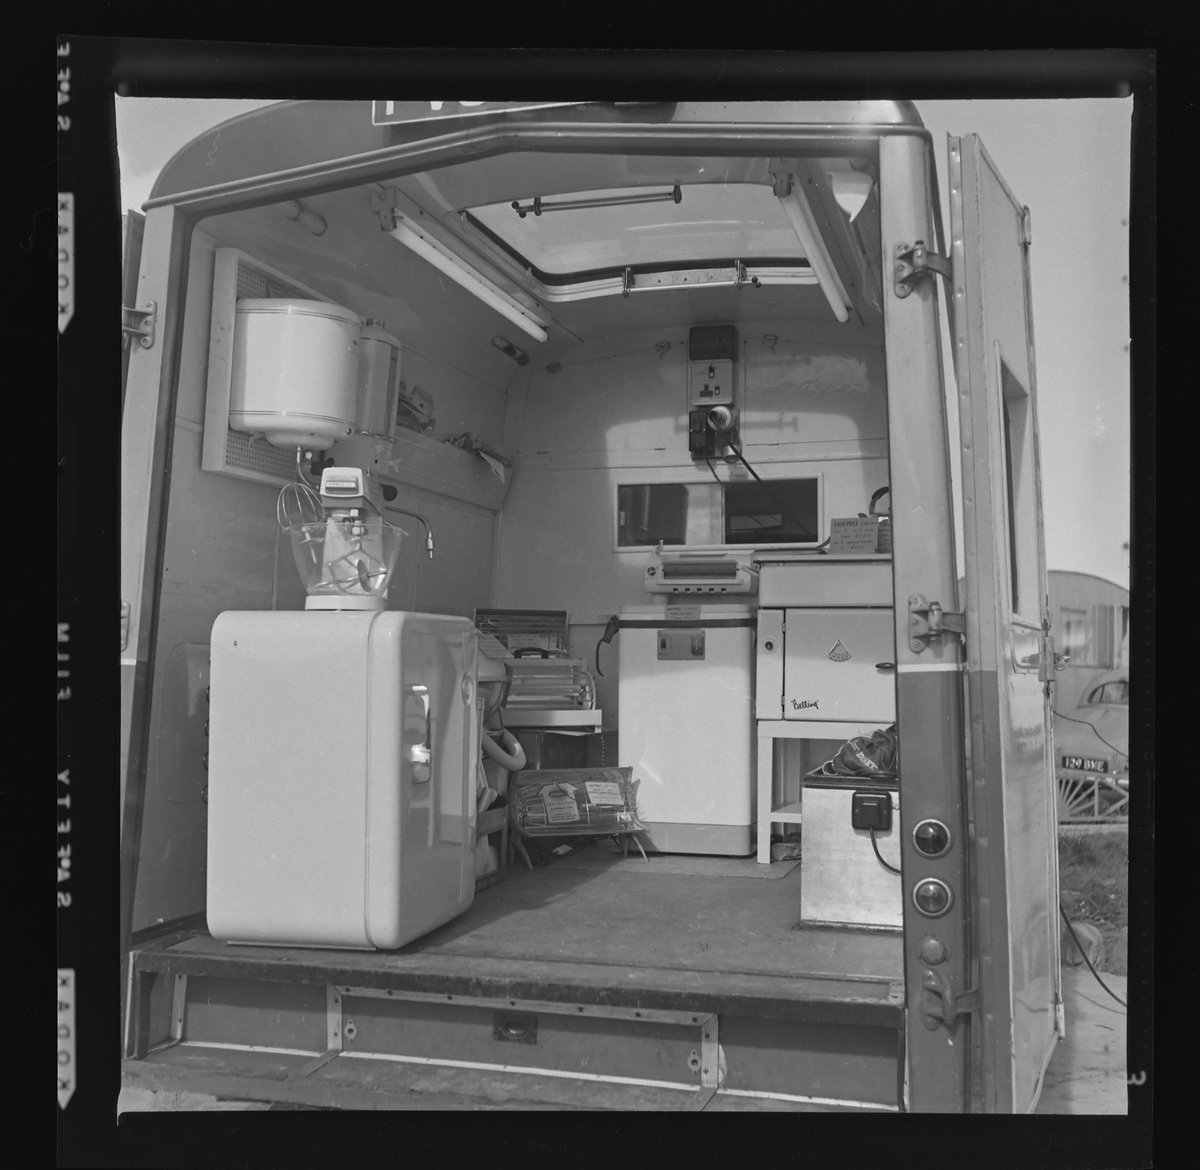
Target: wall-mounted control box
{"points": [[712, 417]]}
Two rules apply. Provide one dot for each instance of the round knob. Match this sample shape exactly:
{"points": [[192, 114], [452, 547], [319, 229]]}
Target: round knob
{"points": [[932, 897], [932, 951], [931, 838], [768, 645]]}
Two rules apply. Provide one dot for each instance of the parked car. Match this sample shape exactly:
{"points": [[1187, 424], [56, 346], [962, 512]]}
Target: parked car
{"points": [[1091, 747]]}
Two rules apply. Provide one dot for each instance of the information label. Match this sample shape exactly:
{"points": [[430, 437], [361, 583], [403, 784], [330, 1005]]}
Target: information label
{"points": [[604, 792], [561, 808], [855, 534]]}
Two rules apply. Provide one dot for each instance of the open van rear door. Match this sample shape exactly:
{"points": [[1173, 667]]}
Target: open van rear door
{"points": [[1014, 859]]}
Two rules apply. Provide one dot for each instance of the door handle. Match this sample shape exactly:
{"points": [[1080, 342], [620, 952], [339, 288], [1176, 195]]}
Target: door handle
{"points": [[420, 755]]}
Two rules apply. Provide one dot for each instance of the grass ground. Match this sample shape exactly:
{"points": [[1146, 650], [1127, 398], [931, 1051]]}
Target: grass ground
{"points": [[1093, 876]]}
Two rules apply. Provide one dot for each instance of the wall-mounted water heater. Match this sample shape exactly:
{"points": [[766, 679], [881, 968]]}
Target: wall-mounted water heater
{"points": [[295, 371], [712, 415]]}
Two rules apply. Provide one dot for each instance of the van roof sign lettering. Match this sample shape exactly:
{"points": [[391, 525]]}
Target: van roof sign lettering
{"points": [[387, 113]]}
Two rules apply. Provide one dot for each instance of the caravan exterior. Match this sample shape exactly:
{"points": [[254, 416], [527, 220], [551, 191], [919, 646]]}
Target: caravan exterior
{"points": [[678, 374]]}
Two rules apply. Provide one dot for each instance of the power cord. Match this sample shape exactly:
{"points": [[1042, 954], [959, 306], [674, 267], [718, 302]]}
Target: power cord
{"points": [[1072, 719], [610, 632], [875, 846], [763, 484], [1088, 961], [820, 548]]}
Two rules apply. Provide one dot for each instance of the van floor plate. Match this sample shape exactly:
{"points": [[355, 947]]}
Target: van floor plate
{"points": [[607, 936]]}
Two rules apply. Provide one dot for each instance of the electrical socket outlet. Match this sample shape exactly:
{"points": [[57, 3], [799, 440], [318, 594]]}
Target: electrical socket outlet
{"points": [[871, 810]]}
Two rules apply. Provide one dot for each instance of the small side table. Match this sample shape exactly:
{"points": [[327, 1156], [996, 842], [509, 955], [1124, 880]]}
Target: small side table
{"points": [[770, 730]]}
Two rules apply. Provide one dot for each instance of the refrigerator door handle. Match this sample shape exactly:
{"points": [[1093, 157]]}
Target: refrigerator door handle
{"points": [[420, 755]]}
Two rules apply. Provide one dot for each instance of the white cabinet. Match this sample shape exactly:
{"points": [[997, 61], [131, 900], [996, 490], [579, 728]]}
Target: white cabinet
{"points": [[686, 718], [826, 665]]}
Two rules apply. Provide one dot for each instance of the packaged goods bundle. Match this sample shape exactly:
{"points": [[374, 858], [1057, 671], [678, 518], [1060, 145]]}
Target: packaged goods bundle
{"points": [[565, 802]]}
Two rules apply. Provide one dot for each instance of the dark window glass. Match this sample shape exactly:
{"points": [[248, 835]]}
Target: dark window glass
{"points": [[783, 511], [648, 513]]}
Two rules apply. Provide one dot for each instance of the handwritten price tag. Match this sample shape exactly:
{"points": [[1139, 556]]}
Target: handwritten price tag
{"points": [[856, 534]]}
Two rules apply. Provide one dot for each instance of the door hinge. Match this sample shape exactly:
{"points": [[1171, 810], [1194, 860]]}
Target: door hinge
{"points": [[940, 1003], [124, 626], [1026, 227], [139, 323], [928, 621], [914, 261]]}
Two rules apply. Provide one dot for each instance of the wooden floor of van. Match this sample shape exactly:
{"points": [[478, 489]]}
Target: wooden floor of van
{"points": [[598, 981]]}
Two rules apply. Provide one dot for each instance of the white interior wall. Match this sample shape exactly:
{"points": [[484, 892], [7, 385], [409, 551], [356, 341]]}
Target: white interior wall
{"points": [[812, 401]]}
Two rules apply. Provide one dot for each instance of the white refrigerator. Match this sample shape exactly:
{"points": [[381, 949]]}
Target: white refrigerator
{"points": [[341, 777], [686, 724]]}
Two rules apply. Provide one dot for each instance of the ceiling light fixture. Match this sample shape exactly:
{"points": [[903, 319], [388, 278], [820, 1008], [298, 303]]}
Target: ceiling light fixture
{"points": [[412, 237]]}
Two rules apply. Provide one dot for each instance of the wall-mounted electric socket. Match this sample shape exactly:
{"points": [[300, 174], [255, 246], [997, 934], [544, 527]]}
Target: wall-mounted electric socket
{"points": [[710, 383]]}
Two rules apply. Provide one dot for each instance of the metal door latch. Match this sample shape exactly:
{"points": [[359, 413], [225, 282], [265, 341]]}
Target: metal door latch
{"points": [[927, 622], [914, 261], [940, 1003], [139, 323]]}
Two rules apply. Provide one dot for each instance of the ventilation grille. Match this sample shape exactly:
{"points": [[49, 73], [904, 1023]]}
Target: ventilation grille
{"points": [[248, 453], [545, 629], [253, 282]]}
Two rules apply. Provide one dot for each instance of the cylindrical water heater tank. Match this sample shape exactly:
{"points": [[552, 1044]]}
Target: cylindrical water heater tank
{"points": [[295, 371], [378, 377]]}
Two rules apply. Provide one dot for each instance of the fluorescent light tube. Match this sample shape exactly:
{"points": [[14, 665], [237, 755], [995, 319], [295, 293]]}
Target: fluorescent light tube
{"points": [[449, 264], [795, 207]]}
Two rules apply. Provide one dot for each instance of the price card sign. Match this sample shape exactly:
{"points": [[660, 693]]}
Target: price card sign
{"points": [[856, 534], [604, 792], [561, 806]]}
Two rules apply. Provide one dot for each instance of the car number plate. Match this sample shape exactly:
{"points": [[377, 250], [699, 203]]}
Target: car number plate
{"points": [[1085, 763]]}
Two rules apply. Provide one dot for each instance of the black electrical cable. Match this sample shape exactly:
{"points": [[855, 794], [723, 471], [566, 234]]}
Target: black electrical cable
{"points": [[723, 483], [875, 846], [762, 483], [1087, 960], [610, 632], [1072, 719]]}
